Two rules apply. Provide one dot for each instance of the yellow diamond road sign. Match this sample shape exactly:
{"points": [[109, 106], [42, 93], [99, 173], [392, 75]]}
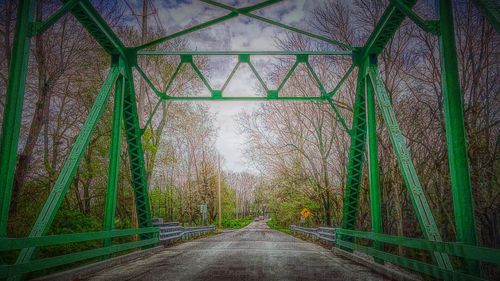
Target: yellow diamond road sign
{"points": [[305, 213]]}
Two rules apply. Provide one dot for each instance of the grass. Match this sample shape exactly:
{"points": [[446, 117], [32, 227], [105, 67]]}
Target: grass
{"points": [[236, 223]]}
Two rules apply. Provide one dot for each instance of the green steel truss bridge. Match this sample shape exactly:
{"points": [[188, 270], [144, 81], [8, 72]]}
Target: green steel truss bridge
{"points": [[370, 90]]}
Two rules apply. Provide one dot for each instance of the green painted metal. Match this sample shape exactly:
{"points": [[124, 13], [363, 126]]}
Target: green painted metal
{"points": [[135, 152], [452, 248], [258, 76], [338, 116], [30, 266], [231, 15], [384, 30], [238, 53], [455, 133], [236, 66], [200, 75], [13, 108], [150, 84], [40, 27], [369, 84], [427, 25], [373, 171], [247, 12], [88, 16], [418, 266], [287, 76], [114, 157], [49, 210], [356, 155], [150, 118], [412, 182], [8, 244], [243, 58], [491, 10], [342, 81], [257, 98], [169, 84], [316, 78]]}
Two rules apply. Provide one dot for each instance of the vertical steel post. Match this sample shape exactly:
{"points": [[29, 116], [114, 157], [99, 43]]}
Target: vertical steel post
{"points": [[136, 152], [356, 155], [14, 107], [219, 198], [114, 158], [455, 132], [373, 171]]}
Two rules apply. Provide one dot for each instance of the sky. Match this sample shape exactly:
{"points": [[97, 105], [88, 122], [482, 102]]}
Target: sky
{"points": [[237, 34]]}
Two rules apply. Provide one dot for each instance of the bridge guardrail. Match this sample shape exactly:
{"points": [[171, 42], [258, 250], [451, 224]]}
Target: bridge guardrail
{"points": [[173, 231], [326, 234]]}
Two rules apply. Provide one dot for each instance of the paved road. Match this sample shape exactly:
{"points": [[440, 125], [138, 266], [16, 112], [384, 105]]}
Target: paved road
{"points": [[253, 253]]}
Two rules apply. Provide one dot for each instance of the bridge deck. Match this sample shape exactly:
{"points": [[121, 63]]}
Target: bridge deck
{"points": [[253, 253]]}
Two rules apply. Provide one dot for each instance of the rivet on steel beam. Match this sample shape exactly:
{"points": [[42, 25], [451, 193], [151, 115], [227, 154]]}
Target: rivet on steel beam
{"points": [[217, 94], [244, 58], [302, 58], [187, 58], [272, 94]]}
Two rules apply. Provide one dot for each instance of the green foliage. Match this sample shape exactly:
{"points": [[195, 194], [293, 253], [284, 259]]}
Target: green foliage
{"points": [[285, 200], [228, 202], [236, 223], [71, 221], [273, 223]]}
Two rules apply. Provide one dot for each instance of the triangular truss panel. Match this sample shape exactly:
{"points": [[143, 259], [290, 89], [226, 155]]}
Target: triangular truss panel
{"points": [[244, 82]]}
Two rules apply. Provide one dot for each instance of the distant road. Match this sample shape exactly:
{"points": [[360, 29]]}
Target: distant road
{"points": [[255, 252]]}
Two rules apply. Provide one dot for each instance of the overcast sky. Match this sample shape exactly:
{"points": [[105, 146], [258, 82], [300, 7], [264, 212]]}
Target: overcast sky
{"points": [[237, 34]]}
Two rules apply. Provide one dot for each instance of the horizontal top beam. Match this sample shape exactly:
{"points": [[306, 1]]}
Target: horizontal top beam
{"points": [[256, 98], [235, 53]]}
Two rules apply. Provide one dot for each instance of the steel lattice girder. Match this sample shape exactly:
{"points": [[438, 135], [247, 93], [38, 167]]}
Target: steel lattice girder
{"points": [[135, 152], [356, 155]]}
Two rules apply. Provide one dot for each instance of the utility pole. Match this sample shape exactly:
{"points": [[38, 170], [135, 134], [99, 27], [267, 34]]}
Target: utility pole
{"points": [[236, 203], [219, 216], [142, 85]]}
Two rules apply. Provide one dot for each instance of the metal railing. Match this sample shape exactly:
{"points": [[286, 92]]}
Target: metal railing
{"points": [[326, 234], [173, 231], [14, 244]]}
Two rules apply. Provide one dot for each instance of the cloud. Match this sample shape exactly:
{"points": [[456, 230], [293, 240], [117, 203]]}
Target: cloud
{"points": [[240, 33]]}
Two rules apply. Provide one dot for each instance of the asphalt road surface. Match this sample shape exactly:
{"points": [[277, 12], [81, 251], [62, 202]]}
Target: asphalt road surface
{"points": [[255, 252]]}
